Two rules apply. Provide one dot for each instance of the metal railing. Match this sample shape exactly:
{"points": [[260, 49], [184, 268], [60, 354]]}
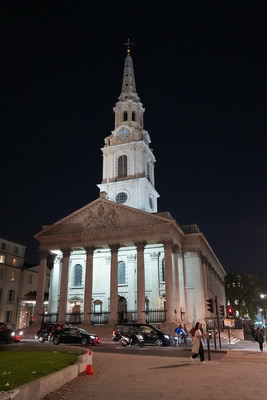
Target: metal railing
{"points": [[152, 316], [74, 318], [155, 316], [100, 318], [50, 318]]}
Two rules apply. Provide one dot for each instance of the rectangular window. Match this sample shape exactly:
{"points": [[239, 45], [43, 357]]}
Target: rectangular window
{"points": [[30, 278], [8, 316], [0, 293], [1, 273], [11, 296], [14, 261], [3, 247], [13, 276], [2, 259], [16, 250]]}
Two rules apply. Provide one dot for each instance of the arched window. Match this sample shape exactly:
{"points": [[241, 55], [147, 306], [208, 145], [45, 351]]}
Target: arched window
{"points": [[78, 275], [125, 116], [121, 273], [122, 166], [98, 306], [133, 116], [163, 270]]}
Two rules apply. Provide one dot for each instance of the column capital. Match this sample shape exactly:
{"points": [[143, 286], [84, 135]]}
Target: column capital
{"points": [[114, 247], [43, 253], [140, 245], [167, 243], [66, 252], [175, 248], [89, 250]]}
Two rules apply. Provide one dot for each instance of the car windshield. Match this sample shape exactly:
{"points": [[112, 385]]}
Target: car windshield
{"points": [[84, 331]]}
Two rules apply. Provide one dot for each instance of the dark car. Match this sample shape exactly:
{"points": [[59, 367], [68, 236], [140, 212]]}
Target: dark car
{"points": [[8, 334], [47, 331], [151, 335], [75, 336]]}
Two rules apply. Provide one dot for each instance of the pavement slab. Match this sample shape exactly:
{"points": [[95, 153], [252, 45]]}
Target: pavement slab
{"points": [[135, 377]]}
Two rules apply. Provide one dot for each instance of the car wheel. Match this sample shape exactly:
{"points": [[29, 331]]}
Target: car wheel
{"points": [[84, 341], [159, 342], [56, 340], [141, 344], [41, 339]]}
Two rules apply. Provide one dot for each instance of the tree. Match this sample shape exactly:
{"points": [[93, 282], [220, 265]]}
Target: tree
{"points": [[243, 293]]}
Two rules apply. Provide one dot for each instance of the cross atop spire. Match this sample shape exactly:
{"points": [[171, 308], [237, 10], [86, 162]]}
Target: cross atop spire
{"points": [[129, 45]]}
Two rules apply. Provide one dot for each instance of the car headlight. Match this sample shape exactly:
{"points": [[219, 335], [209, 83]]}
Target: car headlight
{"points": [[167, 336], [92, 337], [21, 333], [12, 333]]}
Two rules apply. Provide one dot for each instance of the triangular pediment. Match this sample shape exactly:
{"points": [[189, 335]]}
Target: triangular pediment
{"points": [[100, 216]]}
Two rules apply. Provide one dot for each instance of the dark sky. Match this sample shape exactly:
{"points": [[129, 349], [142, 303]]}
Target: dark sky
{"points": [[200, 70]]}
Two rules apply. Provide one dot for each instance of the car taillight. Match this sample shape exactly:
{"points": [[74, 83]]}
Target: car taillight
{"points": [[113, 333]]}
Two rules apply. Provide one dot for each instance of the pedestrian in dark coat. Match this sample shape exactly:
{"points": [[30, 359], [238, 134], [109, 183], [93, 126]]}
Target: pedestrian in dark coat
{"points": [[259, 338]]}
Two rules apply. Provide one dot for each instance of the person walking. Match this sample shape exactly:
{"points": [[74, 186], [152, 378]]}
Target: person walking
{"points": [[259, 338], [198, 346]]}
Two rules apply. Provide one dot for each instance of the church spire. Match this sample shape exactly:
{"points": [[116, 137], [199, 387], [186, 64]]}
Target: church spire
{"points": [[128, 90]]}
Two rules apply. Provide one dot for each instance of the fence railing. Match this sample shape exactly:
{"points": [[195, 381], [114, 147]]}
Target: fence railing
{"points": [[50, 318], [154, 316], [100, 318], [74, 318]]}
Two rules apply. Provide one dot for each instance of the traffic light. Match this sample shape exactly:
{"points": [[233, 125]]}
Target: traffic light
{"points": [[222, 311], [230, 311], [210, 307]]}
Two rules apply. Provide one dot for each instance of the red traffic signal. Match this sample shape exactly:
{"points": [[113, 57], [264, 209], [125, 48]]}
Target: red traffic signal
{"points": [[230, 311]]}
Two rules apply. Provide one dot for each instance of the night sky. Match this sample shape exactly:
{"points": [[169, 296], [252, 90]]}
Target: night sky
{"points": [[200, 70]]}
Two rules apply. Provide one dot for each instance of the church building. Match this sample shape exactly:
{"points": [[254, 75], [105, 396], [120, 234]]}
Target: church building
{"points": [[118, 258]]}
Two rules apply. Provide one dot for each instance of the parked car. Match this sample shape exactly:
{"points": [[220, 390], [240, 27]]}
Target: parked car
{"points": [[8, 334], [47, 331], [75, 335], [152, 335]]}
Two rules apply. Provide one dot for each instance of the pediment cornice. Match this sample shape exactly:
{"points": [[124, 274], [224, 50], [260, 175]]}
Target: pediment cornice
{"points": [[105, 216]]}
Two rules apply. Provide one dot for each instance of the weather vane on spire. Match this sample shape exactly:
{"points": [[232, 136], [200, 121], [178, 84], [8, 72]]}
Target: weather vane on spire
{"points": [[128, 44]]}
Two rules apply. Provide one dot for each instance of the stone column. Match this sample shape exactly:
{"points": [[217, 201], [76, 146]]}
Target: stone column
{"points": [[41, 287], [170, 317], [64, 287], [88, 285], [114, 285], [176, 284], [140, 282]]}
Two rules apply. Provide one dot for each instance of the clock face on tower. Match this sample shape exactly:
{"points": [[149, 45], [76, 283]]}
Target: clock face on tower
{"points": [[123, 134]]}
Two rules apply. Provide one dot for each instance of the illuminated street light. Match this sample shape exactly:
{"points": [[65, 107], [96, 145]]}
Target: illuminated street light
{"points": [[262, 296]]}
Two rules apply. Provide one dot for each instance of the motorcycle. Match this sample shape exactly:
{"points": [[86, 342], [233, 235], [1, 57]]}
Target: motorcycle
{"points": [[136, 338]]}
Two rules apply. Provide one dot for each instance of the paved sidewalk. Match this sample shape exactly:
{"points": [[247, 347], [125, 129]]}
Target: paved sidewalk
{"points": [[139, 377]]}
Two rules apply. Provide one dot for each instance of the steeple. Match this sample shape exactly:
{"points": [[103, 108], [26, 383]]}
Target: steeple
{"points": [[128, 90], [128, 160]]}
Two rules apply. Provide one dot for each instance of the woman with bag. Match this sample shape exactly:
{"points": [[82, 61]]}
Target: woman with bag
{"points": [[198, 346]]}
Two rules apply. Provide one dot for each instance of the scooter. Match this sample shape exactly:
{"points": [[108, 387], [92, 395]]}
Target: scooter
{"points": [[136, 338]]}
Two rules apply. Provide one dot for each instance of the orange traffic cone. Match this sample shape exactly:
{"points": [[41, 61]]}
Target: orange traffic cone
{"points": [[89, 366]]}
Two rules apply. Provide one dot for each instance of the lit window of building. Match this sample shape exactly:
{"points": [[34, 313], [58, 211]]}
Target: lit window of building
{"points": [[14, 261], [2, 259], [13, 276]]}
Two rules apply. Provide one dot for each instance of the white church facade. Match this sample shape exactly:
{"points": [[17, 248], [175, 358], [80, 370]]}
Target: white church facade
{"points": [[118, 258]]}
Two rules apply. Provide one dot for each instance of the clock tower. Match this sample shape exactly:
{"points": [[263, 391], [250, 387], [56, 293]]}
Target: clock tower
{"points": [[128, 161]]}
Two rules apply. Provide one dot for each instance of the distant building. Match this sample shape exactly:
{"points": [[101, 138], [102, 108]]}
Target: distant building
{"points": [[18, 285], [118, 258]]}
